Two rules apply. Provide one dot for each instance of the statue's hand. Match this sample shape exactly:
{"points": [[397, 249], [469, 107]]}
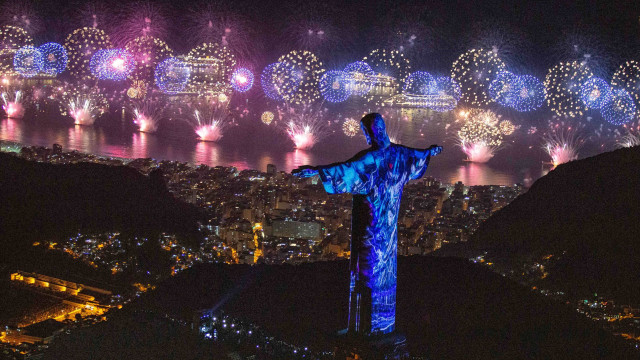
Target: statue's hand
{"points": [[435, 150], [305, 171]]}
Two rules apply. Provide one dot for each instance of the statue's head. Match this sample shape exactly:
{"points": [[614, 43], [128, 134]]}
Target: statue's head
{"points": [[374, 130]]}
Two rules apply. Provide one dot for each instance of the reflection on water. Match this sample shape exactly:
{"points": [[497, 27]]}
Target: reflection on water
{"points": [[243, 153], [206, 153], [140, 145], [297, 158], [474, 173]]}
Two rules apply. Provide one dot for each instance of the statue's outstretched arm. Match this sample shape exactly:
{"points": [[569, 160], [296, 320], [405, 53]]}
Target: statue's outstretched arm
{"points": [[433, 150], [305, 171]]}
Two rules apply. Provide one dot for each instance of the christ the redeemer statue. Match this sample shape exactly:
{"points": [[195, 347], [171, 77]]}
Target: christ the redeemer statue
{"points": [[375, 177]]}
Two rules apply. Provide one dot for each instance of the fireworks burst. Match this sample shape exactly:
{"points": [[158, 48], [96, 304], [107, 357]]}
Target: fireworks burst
{"points": [[562, 143], [586, 47], [147, 52], [357, 76], [147, 114], [242, 79], [304, 124], [12, 38], [271, 82], [141, 19], [506, 127], [211, 66], [112, 64], [405, 32], [388, 63], [530, 95], [503, 88], [313, 32], [54, 58], [480, 136], [267, 117], [95, 14], [390, 69], [628, 77], [419, 83], [629, 139], [81, 44], [474, 71], [13, 104], [172, 75], [28, 61], [84, 104], [20, 14], [210, 24], [620, 109], [508, 43], [210, 119], [564, 83], [299, 73], [334, 86], [595, 92], [351, 127]]}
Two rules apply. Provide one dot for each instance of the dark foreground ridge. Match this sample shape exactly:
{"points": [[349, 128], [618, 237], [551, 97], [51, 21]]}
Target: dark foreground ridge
{"points": [[44, 202], [587, 213], [448, 308]]}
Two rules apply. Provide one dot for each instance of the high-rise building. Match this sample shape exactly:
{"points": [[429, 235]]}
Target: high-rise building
{"points": [[271, 169], [296, 229]]}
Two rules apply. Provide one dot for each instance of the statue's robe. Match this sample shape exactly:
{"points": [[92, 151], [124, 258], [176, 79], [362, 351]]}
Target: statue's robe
{"points": [[375, 177]]}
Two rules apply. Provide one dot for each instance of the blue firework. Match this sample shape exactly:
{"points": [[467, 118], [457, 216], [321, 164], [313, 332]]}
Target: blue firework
{"points": [[269, 82], [529, 95], [419, 83], [112, 64], [28, 61], [172, 75], [502, 88], [620, 109], [242, 79], [445, 85], [595, 92], [54, 58], [334, 86], [359, 78]]}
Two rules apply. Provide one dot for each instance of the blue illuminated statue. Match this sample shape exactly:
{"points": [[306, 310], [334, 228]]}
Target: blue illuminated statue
{"points": [[375, 177]]}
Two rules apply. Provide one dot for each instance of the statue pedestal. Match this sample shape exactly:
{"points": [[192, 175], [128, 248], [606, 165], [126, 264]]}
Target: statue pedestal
{"points": [[374, 347]]}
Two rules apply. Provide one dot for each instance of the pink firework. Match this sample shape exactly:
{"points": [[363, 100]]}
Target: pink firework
{"points": [[21, 14], [141, 19], [210, 119], [302, 136], [479, 139], [147, 115], [562, 143], [95, 14], [219, 24], [12, 104], [305, 125], [478, 152]]}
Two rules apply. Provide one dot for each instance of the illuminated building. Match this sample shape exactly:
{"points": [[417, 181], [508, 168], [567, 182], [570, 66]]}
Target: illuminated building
{"points": [[420, 101], [296, 229], [208, 75]]}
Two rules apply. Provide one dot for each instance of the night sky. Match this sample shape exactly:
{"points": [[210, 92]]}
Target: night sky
{"points": [[530, 35]]}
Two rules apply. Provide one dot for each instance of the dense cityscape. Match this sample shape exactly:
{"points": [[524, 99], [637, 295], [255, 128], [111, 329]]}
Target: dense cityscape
{"points": [[256, 217]]}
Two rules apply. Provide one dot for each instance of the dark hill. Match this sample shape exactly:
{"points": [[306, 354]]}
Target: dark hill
{"points": [[41, 201], [447, 307], [588, 209]]}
